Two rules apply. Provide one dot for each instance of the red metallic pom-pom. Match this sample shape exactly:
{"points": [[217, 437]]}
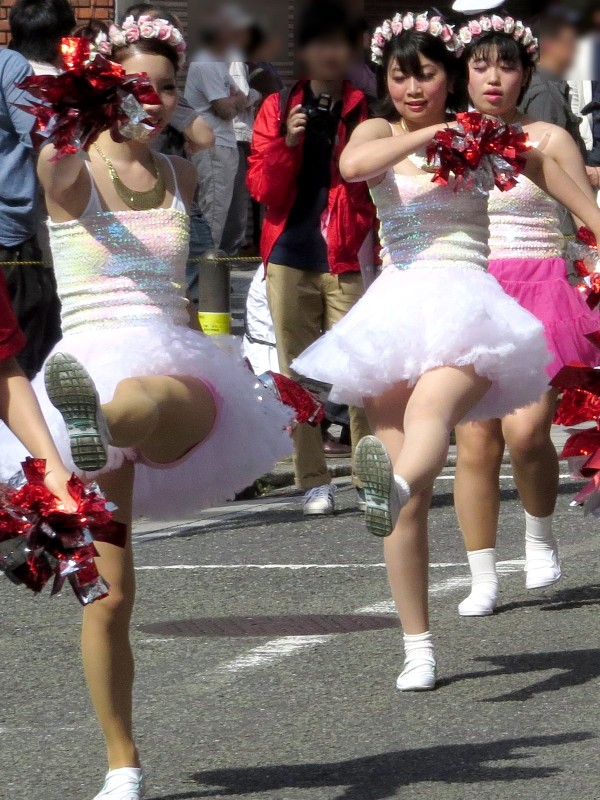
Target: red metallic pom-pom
{"points": [[308, 409], [40, 540], [481, 152], [92, 95], [577, 406]]}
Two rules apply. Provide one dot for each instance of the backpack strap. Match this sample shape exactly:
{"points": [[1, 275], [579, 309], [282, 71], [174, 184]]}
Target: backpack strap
{"points": [[284, 99]]}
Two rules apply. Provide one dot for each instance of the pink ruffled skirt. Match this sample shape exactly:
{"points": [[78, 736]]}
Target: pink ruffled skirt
{"points": [[541, 286]]}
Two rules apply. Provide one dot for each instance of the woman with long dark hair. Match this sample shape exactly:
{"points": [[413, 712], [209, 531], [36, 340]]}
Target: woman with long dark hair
{"points": [[434, 340]]}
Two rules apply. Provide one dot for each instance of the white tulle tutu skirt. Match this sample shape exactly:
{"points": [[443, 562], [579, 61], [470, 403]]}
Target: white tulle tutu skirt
{"points": [[248, 438], [414, 320]]}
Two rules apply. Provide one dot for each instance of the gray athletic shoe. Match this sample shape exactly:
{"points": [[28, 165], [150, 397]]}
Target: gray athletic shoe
{"points": [[374, 468], [71, 390]]}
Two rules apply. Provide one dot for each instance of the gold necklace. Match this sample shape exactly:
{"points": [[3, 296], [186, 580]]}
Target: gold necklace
{"points": [[138, 201]]}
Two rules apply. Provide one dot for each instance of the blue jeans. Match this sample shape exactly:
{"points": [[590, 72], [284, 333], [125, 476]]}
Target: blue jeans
{"points": [[201, 242]]}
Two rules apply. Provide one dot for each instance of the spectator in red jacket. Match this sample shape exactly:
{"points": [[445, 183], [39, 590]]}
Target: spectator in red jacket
{"points": [[316, 223]]}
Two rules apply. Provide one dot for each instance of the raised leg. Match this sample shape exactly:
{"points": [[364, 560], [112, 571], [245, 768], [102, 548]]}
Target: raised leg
{"points": [[162, 416]]}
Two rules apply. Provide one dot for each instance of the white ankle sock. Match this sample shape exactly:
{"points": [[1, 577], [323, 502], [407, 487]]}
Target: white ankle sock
{"points": [[117, 777], [484, 584], [417, 646], [538, 533], [403, 489], [419, 673]]}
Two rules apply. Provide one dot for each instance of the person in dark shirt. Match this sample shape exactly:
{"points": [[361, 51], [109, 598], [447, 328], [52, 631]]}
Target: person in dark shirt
{"points": [[547, 97], [316, 223]]}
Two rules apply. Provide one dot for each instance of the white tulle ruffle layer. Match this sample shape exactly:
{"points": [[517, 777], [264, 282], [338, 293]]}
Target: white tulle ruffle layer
{"points": [[248, 438], [414, 320]]}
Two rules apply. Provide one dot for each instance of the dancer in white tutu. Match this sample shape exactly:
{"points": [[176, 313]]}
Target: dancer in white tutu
{"points": [[435, 339], [162, 417]]}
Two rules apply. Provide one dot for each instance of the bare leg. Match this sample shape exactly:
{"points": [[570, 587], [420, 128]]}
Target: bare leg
{"points": [[480, 447], [477, 502], [533, 455], [535, 467], [439, 401], [414, 427], [107, 656], [163, 416]]}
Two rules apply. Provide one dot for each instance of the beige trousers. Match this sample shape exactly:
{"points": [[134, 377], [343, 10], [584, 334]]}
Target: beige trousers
{"points": [[304, 304]]}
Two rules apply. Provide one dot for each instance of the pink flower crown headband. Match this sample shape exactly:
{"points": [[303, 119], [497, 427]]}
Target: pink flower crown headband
{"points": [[475, 28], [144, 27], [454, 42], [418, 22]]}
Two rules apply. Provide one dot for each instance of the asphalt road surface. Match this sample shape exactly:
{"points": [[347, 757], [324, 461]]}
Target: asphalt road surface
{"points": [[267, 653]]}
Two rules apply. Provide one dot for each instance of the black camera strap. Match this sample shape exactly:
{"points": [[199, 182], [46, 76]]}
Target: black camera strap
{"points": [[351, 120]]}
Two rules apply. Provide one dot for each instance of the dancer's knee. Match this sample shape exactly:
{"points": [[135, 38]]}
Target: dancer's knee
{"points": [[479, 450], [527, 444], [113, 610]]}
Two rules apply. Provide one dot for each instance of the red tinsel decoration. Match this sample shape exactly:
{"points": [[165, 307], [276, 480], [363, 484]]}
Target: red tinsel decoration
{"points": [[91, 96], [307, 407], [577, 376], [480, 153], [577, 406], [40, 540]]}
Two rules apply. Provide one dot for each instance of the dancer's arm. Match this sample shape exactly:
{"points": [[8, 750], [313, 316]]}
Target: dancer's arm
{"points": [[58, 177], [551, 178], [563, 149], [362, 160], [20, 411]]}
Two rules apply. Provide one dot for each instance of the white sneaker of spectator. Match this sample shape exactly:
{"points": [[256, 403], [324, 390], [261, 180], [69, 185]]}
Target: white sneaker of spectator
{"points": [[319, 501]]}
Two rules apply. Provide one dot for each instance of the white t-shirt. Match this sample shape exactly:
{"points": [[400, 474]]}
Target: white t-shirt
{"points": [[209, 80], [244, 121]]}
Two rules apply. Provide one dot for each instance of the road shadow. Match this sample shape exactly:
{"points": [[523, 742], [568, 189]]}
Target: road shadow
{"points": [[561, 600], [382, 776], [576, 668]]}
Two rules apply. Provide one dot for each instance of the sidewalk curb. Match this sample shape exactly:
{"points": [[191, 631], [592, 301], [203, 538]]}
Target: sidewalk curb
{"points": [[283, 475]]}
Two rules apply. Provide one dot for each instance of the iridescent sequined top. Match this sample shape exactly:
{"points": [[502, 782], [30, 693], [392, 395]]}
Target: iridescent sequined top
{"points": [[524, 223], [423, 224], [122, 268]]}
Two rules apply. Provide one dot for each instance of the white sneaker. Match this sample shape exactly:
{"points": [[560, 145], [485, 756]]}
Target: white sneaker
{"points": [[418, 675], [71, 390], [319, 501], [478, 604], [374, 468], [123, 784], [542, 568]]}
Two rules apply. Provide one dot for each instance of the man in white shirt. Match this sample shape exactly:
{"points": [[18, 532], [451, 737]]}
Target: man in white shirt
{"points": [[212, 92], [234, 234]]}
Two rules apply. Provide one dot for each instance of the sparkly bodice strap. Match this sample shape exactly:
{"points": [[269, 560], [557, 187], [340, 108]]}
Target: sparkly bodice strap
{"points": [[524, 223], [423, 224], [121, 269]]}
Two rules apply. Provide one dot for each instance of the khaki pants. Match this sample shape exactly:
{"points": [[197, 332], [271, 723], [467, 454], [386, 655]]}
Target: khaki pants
{"points": [[304, 304]]}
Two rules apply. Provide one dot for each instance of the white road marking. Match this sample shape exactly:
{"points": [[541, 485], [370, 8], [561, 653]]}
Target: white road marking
{"points": [[292, 567], [279, 649], [502, 477], [275, 650], [503, 566]]}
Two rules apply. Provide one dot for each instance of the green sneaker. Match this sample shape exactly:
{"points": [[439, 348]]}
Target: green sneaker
{"points": [[374, 468], [71, 390]]}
